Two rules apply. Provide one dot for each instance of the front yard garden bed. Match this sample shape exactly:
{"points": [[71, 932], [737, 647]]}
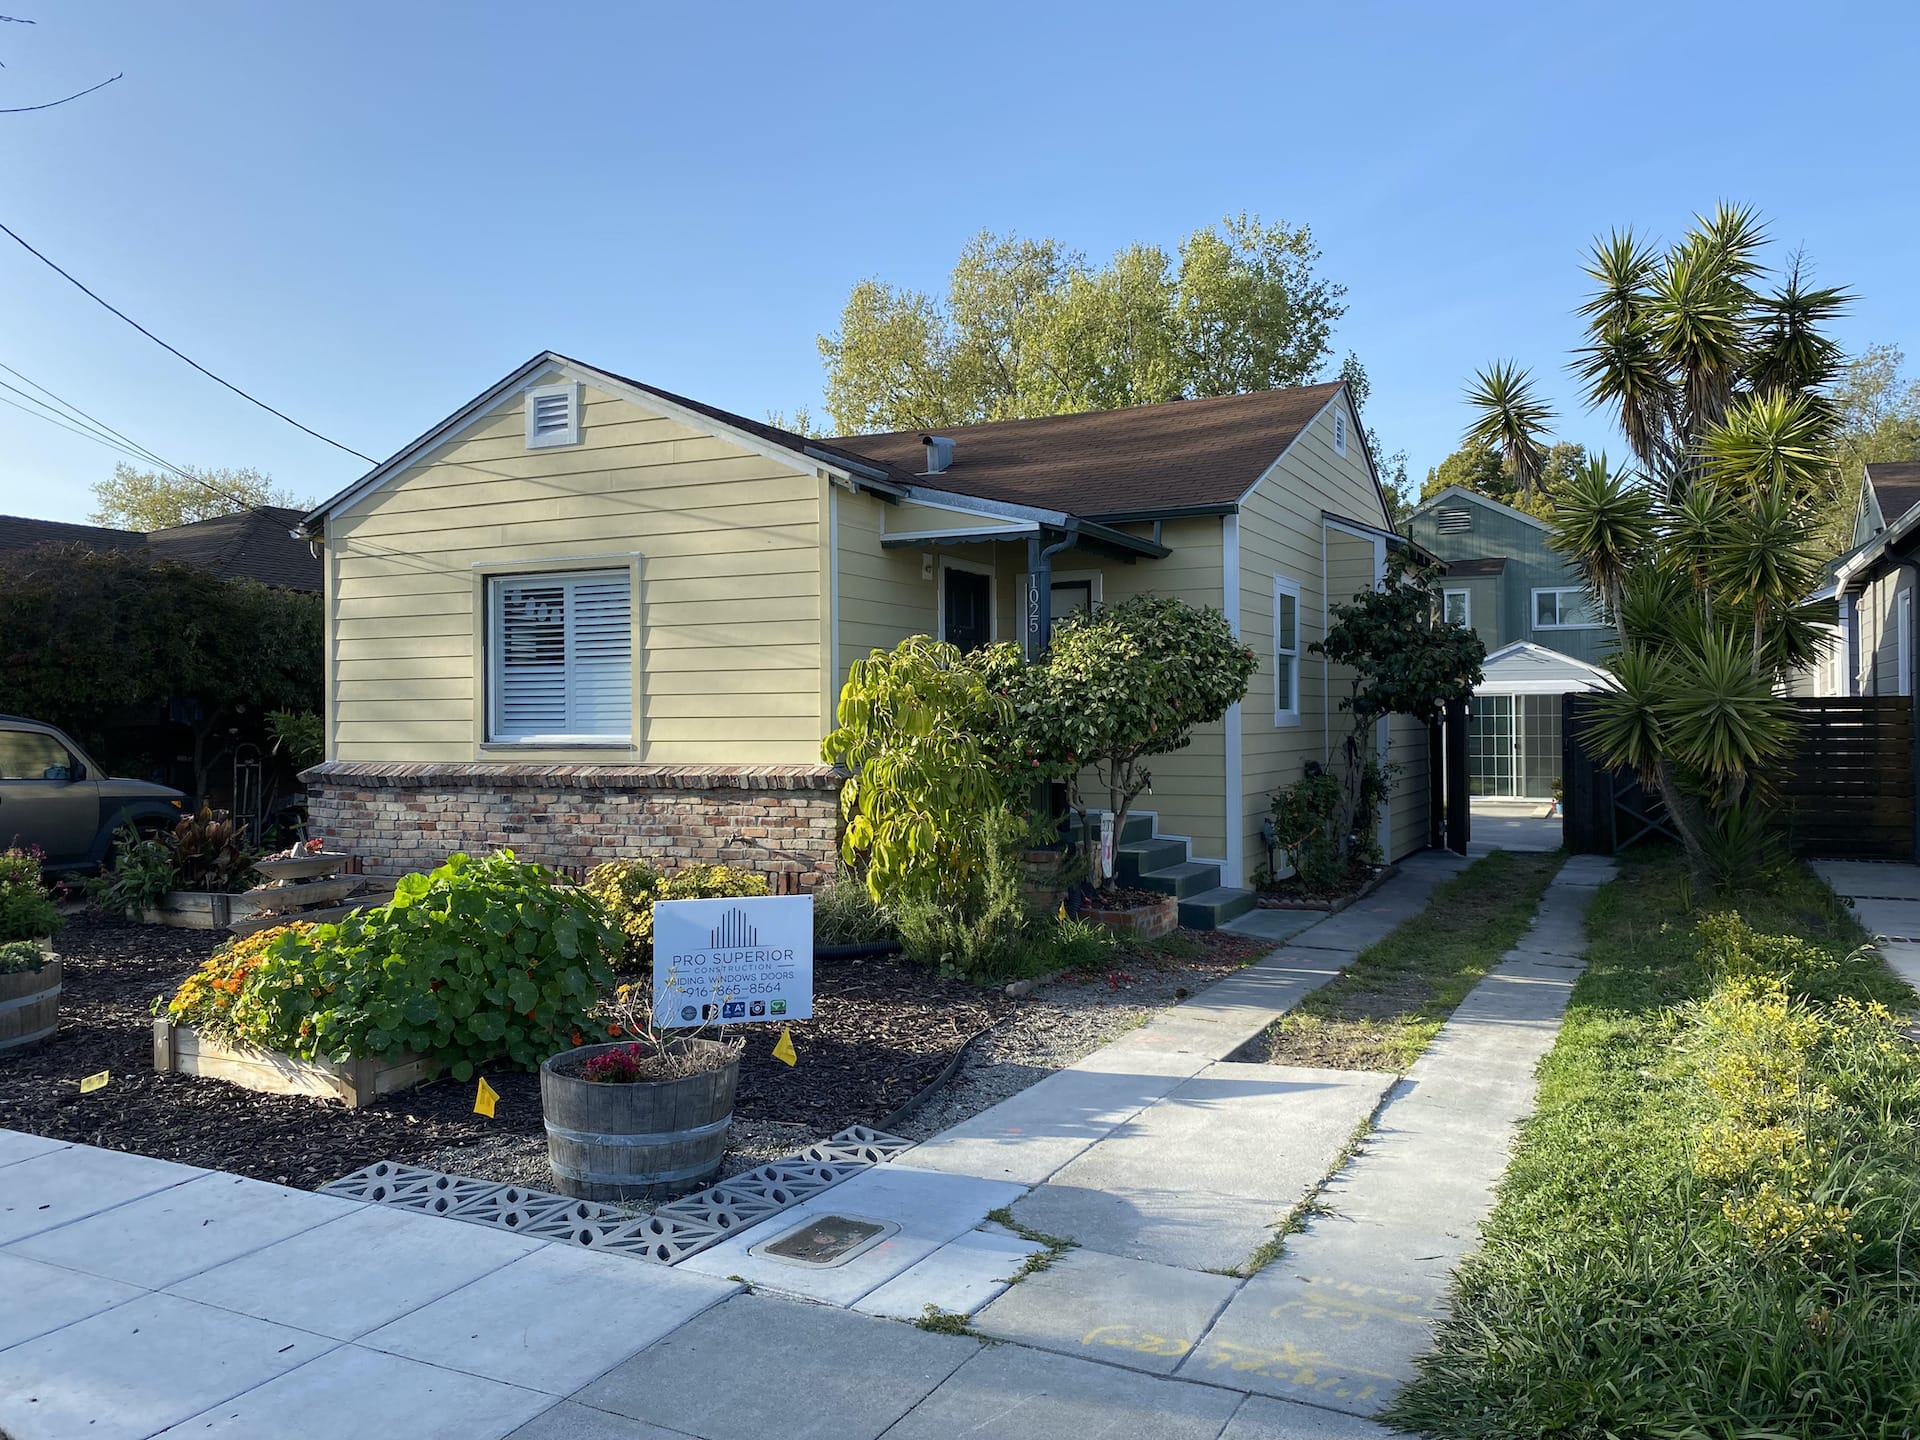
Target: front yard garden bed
{"points": [[184, 1050], [1295, 893]]}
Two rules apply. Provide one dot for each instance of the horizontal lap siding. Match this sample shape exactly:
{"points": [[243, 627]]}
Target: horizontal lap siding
{"points": [[731, 608], [1281, 533]]}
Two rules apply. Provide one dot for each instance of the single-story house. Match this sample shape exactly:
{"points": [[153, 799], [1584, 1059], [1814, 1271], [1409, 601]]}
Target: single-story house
{"points": [[585, 616], [1542, 631], [257, 544]]}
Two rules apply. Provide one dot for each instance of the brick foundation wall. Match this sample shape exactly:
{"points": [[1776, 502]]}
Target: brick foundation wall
{"points": [[404, 817]]}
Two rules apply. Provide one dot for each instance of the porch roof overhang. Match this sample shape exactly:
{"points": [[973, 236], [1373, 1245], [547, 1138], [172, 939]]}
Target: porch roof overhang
{"points": [[1524, 668], [1088, 535]]}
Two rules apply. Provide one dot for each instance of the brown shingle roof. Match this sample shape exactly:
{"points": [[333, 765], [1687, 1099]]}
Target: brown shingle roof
{"points": [[1110, 463], [250, 546], [1896, 485]]}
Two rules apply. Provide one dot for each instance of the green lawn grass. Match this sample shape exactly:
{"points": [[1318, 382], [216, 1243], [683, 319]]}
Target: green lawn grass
{"points": [[1382, 1010], [1613, 1296]]}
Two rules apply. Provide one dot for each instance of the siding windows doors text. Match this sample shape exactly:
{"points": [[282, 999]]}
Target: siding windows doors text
{"points": [[1286, 651], [560, 658]]}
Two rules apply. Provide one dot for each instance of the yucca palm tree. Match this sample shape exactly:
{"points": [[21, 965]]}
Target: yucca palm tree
{"points": [[1512, 419]]}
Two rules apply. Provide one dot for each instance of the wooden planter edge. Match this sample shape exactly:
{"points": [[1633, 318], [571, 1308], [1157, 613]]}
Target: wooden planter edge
{"points": [[186, 1051]]}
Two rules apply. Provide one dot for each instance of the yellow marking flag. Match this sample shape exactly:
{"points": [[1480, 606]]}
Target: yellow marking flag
{"points": [[783, 1047], [484, 1098], [94, 1082]]}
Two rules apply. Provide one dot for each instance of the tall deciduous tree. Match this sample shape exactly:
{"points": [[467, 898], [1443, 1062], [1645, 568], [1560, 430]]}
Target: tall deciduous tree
{"points": [[151, 500], [1877, 417], [1029, 327]]}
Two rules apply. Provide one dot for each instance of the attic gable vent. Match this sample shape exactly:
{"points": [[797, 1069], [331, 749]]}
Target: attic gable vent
{"points": [[1453, 522], [553, 416], [1339, 432]]}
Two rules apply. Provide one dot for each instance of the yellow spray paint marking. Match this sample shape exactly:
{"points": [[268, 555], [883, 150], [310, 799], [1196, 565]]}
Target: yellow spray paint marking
{"points": [[484, 1099], [783, 1047], [1130, 1337], [1303, 1368], [94, 1082]]}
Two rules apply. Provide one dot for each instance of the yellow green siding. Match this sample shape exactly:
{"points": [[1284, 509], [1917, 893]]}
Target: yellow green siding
{"points": [[727, 543]]}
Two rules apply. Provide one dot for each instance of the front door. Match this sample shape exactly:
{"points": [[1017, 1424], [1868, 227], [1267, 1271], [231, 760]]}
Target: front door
{"points": [[967, 613], [1491, 746]]}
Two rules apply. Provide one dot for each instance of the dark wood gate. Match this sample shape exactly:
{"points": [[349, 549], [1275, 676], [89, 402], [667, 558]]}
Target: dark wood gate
{"points": [[1847, 790]]}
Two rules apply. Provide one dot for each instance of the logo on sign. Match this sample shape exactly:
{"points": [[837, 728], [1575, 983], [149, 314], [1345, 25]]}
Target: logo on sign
{"points": [[733, 1010], [734, 932], [689, 1012]]}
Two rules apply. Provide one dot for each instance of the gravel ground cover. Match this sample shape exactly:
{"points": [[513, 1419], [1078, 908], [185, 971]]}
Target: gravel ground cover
{"points": [[882, 1032]]}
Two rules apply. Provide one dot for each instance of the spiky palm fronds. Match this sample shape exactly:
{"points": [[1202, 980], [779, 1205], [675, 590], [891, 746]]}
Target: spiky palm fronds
{"points": [[1603, 521], [1790, 354], [1771, 442], [1624, 370], [1694, 523], [1719, 717], [1510, 415]]}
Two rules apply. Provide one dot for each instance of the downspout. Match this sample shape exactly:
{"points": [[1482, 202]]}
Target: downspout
{"points": [[1040, 595]]}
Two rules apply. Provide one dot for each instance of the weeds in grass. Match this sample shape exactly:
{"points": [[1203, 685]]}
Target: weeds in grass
{"points": [[1310, 1204], [1709, 1225], [1056, 1245], [1382, 1010], [945, 1322]]}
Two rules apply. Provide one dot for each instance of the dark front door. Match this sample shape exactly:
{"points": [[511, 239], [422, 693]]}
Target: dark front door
{"points": [[968, 609]]}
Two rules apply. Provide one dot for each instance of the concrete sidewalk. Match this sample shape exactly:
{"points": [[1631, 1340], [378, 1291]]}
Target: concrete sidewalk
{"points": [[1885, 896]]}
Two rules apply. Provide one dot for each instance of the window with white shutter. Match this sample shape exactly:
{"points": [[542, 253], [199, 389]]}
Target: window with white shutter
{"points": [[561, 668], [553, 416]]}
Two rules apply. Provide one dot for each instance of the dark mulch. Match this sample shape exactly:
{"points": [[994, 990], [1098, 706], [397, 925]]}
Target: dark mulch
{"points": [[882, 1030], [1293, 893]]}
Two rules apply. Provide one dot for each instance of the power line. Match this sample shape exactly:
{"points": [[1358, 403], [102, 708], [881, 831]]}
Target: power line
{"points": [[104, 304], [23, 109], [139, 451]]}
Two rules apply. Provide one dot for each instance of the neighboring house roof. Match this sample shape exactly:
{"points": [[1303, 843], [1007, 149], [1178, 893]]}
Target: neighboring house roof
{"points": [[1468, 569], [254, 545], [1896, 485], [1524, 668], [1458, 493], [1107, 464]]}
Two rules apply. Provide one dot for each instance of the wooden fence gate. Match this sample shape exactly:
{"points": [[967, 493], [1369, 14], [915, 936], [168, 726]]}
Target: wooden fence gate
{"points": [[1846, 791]]}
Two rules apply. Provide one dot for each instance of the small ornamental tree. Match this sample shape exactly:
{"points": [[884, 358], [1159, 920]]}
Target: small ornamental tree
{"points": [[923, 735], [1122, 685], [1405, 661]]}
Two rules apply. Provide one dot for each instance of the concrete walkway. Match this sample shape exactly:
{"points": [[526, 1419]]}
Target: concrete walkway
{"points": [[139, 1297], [1885, 897]]}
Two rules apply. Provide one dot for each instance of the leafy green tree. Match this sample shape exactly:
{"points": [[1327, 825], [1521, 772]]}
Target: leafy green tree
{"points": [[1479, 467], [1877, 417], [148, 500], [1122, 685], [87, 638], [1028, 327], [1404, 661], [923, 730]]}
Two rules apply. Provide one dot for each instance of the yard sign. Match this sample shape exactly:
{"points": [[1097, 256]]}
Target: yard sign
{"points": [[733, 961]]}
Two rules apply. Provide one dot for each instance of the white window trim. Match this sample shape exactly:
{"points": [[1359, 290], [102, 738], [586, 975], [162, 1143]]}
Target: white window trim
{"points": [[1340, 432], [1466, 605], [940, 595], [1095, 578], [1903, 641], [490, 590], [1533, 613], [1285, 716], [570, 390]]}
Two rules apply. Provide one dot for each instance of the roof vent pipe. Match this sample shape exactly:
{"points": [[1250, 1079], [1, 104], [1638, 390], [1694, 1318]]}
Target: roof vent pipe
{"points": [[939, 453]]}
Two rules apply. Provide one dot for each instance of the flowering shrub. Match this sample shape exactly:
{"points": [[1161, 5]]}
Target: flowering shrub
{"points": [[480, 961], [17, 957], [26, 910], [210, 999], [628, 888], [621, 1065]]}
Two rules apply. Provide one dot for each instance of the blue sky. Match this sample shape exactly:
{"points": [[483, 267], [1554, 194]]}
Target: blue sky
{"points": [[366, 213]]}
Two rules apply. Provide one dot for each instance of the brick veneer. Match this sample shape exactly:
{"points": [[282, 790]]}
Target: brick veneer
{"points": [[400, 817]]}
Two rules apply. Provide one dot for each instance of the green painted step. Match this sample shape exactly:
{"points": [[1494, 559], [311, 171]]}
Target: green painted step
{"points": [[1211, 909], [1188, 878], [1135, 858]]}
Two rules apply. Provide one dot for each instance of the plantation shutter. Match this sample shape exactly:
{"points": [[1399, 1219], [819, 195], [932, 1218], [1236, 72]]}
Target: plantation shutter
{"points": [[563, 666]]}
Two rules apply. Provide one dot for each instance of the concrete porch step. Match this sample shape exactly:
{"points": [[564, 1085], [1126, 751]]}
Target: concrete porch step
{"points": [[1210, 909], [1138, 857], [1187, 878]]}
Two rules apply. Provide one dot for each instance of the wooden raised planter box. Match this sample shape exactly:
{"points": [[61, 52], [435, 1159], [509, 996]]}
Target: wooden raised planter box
{"points": [[183, 1049], [191, 910], [1148, 922]]}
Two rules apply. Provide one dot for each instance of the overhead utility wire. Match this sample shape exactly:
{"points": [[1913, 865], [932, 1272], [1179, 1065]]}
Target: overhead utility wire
{"points": [[107, 305]]}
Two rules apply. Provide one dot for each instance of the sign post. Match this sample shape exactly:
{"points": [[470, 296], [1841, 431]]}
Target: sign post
{"points": [[732, 961]]}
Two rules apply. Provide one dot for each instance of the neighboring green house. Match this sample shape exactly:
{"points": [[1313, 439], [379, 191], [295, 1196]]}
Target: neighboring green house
{"points": [[1542, 632]]}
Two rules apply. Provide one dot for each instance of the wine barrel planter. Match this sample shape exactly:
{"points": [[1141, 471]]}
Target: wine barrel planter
{"points": [[632, 1142], [29, 1006]]}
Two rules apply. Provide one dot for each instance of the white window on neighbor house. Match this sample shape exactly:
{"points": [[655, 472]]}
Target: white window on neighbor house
{"points": [[1286, 651], [1339, 432], [1566, 608], [560, 658], [1904, 638], [1456, 607], [553, 416]]}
